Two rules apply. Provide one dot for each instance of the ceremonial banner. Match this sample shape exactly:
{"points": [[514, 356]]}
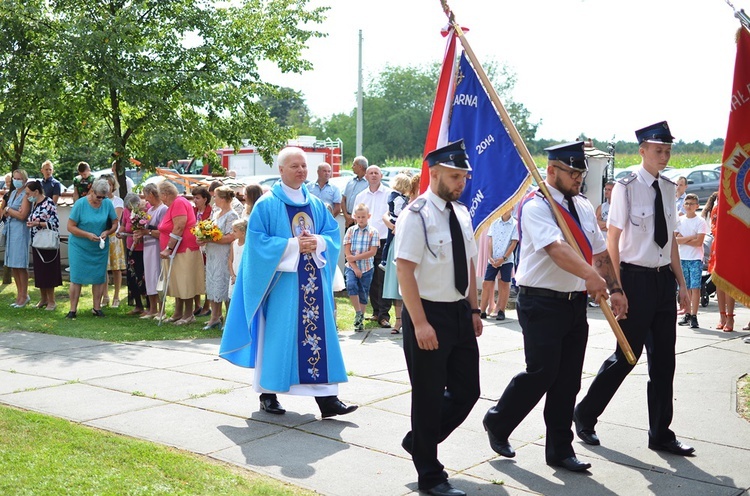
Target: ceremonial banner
{"points": [[732, 269], [437, 132], [499, 177]]}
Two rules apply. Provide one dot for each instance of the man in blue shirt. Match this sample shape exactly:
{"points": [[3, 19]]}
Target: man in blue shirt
{"points": [[51, 186], [327, 192], [355, 186]]}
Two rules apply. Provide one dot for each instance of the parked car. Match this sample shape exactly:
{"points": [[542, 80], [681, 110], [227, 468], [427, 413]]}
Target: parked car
{"points": [[701, 181], [390, 172], [265, 180]]}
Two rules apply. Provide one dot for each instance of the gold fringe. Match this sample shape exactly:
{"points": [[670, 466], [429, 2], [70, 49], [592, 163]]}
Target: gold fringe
{"points": [[730, 289], [505, 208]]}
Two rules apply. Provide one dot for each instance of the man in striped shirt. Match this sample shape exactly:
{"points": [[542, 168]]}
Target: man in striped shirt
{"points": [[361, 242]]}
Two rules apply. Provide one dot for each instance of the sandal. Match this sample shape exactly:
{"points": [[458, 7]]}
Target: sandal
{"points": [[396, 328], [729, 327], [746, 328], [722, 320]]}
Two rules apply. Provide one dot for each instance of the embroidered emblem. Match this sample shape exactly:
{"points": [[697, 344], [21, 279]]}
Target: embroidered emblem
{"points": [[735, 184]]}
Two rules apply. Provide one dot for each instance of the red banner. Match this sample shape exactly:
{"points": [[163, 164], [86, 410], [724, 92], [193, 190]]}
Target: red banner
{"points": [[731, 266]]}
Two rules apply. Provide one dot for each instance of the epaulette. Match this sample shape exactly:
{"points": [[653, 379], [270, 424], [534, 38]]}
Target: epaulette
{"points": [[582, 195], [418, 204], [627, 179], [667, 179]]}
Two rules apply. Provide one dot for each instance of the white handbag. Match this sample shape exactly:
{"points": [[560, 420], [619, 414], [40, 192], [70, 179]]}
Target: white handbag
{"points": [[46, 239]]}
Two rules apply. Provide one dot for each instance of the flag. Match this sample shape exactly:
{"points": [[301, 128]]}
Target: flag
{"points": [[731, 267], [437, 132], [499, 177]]}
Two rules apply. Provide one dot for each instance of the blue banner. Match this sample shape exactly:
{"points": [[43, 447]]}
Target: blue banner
{"points": [[499, 178]]}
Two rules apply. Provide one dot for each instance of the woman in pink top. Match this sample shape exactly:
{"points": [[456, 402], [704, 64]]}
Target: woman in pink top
{"points": [[187, 277]]}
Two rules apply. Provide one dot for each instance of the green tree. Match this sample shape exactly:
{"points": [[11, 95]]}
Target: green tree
{"points": [[190, 68]]}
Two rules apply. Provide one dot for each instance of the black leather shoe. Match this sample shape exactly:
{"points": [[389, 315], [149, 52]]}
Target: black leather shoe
{"points": [[571, 463], [588, 436], [330, 406], [500, 446], [675, 447], [270, 404], [443, 489]]}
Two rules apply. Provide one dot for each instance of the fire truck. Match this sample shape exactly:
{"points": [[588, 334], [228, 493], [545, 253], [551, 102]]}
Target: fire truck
{"points": [[248, 162]]}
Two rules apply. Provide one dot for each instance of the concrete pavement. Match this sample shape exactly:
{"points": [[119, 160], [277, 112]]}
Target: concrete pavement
{"points": [[179, 393]]}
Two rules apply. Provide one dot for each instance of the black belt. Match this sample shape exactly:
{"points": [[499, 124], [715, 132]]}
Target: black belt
{"points": [[638, 268], [549, 293]]}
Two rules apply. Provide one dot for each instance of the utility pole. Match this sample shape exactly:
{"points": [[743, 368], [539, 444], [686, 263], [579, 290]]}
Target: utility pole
{"points": [[359, 99]]}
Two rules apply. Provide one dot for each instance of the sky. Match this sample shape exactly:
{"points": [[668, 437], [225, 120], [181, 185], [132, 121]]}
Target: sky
{"points": [[603, 68]]}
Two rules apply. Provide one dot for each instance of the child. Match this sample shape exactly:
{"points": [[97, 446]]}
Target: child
{"points": [[361, 242], [397, 200], [239, 229], [691, 229], [502, 238], [83, 181]]}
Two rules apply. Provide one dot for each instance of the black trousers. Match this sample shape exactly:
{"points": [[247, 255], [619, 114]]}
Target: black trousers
{"points": [[445, 383], [381, 307], [555, 332], [651, 323]]}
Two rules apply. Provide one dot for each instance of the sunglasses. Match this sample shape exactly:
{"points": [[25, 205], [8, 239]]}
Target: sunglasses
{"points": [[574, 173], [100, 197]]}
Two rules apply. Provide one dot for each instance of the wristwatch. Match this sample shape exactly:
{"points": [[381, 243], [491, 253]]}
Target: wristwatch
{"points": [[476, 311], [505, 259]]}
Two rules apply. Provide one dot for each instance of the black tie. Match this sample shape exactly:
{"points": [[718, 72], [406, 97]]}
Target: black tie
{"points": [[572, 208], [460, 270], [660, 223]]}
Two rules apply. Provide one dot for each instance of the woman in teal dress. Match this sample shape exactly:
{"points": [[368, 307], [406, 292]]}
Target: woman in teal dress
{"points": [[92, 220]]}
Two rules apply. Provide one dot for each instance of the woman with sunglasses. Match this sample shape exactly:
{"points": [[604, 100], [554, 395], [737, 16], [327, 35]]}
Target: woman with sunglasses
{"points": [[91, 222]]}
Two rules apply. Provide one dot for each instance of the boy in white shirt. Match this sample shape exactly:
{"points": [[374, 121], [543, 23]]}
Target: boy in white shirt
{"points": [[691, 229]]}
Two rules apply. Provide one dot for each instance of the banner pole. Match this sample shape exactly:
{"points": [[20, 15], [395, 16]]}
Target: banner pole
{"points": [[531, 166]]}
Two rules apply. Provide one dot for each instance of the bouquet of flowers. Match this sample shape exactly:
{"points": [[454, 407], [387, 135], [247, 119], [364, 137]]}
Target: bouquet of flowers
{"points": [[206, 230], [139, 218]]}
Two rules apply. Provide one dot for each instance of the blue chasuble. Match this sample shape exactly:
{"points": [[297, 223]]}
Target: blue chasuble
{"points": [[300, 342]]}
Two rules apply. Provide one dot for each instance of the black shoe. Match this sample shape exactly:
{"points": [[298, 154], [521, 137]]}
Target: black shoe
{"points": [[443, 489], [97, 313], [71, 316], [685, 320], [500, 315], [483, 315], [500, 446], [270, 404], [330, 406], [694, 322], [571, 463], [586, 435], [675, 447]]}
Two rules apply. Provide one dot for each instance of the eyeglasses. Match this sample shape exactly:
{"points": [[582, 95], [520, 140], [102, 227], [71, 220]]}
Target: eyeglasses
{"points": [[100, 197], [690, 203], [574, 173]]}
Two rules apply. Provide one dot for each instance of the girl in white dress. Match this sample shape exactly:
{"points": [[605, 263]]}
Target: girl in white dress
{"points": [[239, 228]]}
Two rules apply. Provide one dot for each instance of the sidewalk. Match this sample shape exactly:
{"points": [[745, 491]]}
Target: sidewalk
{"points": [[179, 393]]}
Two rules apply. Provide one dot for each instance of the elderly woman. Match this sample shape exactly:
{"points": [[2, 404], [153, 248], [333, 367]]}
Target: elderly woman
{"points": [[92, 220], [151, 257], [203, 211], [16, 211], [217, 254], [116, 262], [47, 273], [134, 259], [179, 248]]}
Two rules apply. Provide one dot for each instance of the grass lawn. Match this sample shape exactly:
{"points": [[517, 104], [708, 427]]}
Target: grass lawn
{"points": [[49, 456], [743, 396], [116, 325]]}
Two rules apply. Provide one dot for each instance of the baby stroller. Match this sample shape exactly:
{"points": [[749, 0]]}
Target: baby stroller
{"points": [[708, 288]]}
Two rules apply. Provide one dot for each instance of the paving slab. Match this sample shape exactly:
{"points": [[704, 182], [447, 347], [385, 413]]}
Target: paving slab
{"points": [[186, 427], [13, 382], [136, 354], [208, 346], [31, 341], [78, 402], [218, 368], [166, 384], [65, 368]]}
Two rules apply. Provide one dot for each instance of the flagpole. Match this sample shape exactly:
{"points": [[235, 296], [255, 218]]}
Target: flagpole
{"points": [[529, 163]]}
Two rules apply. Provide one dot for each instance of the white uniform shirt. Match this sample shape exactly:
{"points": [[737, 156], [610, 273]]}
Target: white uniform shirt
{"points": [[434, 275], [632, 211], [539, 229], [377, 202]]}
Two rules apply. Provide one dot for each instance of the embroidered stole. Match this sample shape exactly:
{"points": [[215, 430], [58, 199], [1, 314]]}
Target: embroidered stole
{"points": [[311, 351]]}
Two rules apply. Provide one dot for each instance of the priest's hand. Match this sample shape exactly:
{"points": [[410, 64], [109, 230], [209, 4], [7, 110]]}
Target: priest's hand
{"points": [[307, 243]]}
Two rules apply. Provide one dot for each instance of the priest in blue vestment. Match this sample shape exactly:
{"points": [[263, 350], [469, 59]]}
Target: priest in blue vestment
{"points": [[281, 320]]}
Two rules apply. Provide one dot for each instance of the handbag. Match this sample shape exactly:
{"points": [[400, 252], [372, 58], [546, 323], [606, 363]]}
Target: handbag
{"points": [[46, 239]]}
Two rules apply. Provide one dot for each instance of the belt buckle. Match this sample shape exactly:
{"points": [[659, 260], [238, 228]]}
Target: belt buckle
{"points": [[570, 296]]}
